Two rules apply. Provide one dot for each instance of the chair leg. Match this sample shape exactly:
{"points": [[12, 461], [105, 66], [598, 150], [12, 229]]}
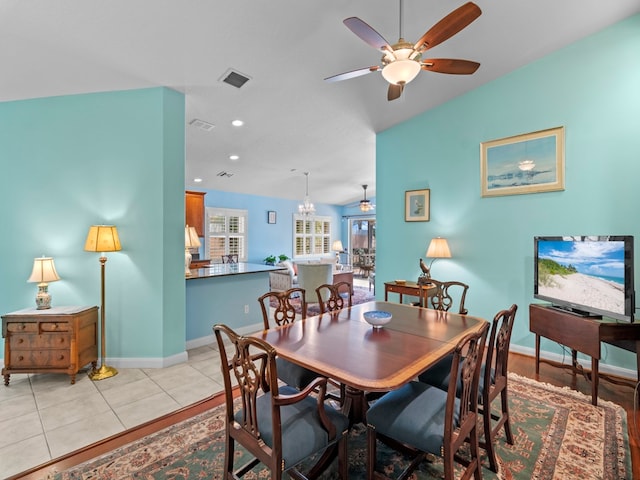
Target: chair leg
{"points": [[488, 437], [372, 454], [505, 415], [228, 458], [343, 458]]}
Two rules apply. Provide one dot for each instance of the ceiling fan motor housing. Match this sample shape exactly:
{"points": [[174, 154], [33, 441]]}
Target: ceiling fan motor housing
{"points": [[403, 65]]}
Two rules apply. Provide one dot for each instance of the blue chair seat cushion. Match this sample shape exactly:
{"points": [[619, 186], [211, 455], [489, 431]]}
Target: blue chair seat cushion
{"points": [[413, 414], [294, 375], [302, 432]]}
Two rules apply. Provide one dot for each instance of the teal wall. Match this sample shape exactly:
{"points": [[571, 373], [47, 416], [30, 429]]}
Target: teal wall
{"points": [[592, 88], [118, 158]]}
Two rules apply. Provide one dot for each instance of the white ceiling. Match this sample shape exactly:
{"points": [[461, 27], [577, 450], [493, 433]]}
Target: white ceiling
{"points": [[294, 121]]}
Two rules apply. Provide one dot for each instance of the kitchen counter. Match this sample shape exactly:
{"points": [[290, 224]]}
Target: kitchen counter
{"points": [[223, 269]]}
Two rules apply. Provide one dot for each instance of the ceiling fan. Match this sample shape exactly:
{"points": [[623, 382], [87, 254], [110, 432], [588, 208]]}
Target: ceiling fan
{"points": [[365, 204], [402, 61]]}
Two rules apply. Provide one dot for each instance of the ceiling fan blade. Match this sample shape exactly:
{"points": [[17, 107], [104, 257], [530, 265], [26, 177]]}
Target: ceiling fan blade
{"points": [[367, 33], [450, 65], [352, 74], [448, 26], [394, 91]]}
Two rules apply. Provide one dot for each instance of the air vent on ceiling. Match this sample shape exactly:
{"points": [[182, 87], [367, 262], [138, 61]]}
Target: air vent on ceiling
{"points": [[224, 174], [202, 125], [234, 78]]}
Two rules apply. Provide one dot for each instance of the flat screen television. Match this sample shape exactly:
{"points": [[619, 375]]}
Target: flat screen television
{"points": [[590, 276]]}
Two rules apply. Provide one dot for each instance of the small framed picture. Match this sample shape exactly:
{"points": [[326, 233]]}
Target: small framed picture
{"points": [[416, 205], [271, 216]]}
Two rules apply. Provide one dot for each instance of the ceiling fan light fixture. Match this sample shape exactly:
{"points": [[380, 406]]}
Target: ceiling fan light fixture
{"points": [[365, 206], [401, 71]]}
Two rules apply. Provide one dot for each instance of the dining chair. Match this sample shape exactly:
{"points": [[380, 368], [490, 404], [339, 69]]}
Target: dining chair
{"points": [[420, 419], [233, 258], [444, 296], [279, 426], [282, 314], [493, 382], [338, 296]]}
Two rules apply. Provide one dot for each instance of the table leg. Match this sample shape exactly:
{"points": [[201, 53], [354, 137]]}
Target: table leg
{"points": [[355, 405], [594, 381], [537, 354]]}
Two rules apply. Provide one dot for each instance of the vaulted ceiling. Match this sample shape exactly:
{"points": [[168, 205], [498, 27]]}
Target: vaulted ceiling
{"points": [[294, 121]]}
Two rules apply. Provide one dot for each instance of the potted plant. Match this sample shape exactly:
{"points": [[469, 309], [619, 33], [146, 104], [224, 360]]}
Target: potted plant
{"points": [[282, 257], [270, 260]]}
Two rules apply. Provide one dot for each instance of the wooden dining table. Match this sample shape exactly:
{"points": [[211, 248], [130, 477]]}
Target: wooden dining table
{"points": [[344, 347]]}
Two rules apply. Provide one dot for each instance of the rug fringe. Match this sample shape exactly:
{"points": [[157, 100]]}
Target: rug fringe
{"points": [[568, 390]]}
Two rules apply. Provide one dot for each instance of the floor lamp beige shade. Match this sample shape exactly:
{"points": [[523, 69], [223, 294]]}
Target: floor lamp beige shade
{"points": [[102, 238]]}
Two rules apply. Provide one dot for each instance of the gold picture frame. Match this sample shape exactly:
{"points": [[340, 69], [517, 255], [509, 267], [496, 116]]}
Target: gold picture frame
{"points": [[416, 205], [528, 163]]}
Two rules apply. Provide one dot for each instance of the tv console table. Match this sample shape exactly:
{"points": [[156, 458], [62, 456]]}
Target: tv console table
{"points": [[582, 334]]}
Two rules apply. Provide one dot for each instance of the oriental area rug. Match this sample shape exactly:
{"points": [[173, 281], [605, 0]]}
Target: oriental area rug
{"points": [[558, 435]]}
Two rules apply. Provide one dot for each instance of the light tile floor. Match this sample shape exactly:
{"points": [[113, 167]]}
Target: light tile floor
{"points": [[43, 416]]}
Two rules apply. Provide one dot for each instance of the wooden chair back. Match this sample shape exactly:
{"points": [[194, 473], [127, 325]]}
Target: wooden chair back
{"points": [[338, 296], [444, 296], [495, 382], [233, 258], [284, 312], [256, 421]]}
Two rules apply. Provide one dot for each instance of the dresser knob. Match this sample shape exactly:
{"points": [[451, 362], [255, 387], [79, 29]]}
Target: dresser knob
{"points": [[20, 340], [23, 326], [20, 358], [61, 357]]}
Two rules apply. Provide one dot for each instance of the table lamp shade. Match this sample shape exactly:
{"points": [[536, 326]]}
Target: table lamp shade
{"points": [[102, 238], [438, 248], [191, 239], [44, 271], [337, 246]]}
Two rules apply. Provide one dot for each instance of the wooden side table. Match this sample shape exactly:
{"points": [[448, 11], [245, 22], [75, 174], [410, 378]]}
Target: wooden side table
{"points": [[55, 340], [408, 288]]}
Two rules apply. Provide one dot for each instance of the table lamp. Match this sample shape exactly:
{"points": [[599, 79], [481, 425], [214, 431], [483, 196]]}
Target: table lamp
{"points": [[191, 240], [44, 271], [338, 248], [102, 238], [438, 248]]}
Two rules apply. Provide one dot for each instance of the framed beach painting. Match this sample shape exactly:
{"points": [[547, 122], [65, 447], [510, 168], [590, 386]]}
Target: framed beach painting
{"points": [[416, 205], [529, 163]]}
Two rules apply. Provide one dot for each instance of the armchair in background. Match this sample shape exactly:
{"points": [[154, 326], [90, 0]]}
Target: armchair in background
{"points": [[283, 280]]}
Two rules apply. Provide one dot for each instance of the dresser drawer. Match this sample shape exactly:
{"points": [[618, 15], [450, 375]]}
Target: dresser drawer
{"points": [[22, 327], [54, 326], [21, 341], [39, 358]]}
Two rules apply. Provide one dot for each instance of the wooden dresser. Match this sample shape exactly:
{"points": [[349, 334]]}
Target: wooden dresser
{"points": [[55, 340]]}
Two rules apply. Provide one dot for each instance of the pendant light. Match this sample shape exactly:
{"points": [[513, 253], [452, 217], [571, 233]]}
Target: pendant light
{"points": [[306, 207]]}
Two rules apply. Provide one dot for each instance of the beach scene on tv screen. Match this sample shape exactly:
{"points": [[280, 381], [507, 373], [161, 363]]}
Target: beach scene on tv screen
{"points": [[585, 273]]}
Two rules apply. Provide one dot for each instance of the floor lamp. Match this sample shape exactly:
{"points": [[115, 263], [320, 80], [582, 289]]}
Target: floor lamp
{"points": [[102, 238]]}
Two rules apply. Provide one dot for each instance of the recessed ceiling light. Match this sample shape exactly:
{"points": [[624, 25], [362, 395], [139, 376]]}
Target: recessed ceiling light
{"points": [[237, 123], [233, 157], [197, 180]]}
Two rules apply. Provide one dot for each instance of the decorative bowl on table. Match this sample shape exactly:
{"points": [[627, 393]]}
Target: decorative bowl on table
{"points": [[377, 318]]}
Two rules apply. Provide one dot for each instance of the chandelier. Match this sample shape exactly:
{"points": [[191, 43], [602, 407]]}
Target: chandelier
{"points": [[306, 207]]}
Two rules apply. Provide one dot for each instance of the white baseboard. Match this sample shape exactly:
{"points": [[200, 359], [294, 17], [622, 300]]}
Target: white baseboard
{"points": [[211, 339], [586, 363]]}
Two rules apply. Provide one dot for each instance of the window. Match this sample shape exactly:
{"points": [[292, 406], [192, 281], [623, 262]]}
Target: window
{"points": [[227, 233], [311, 235]]}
